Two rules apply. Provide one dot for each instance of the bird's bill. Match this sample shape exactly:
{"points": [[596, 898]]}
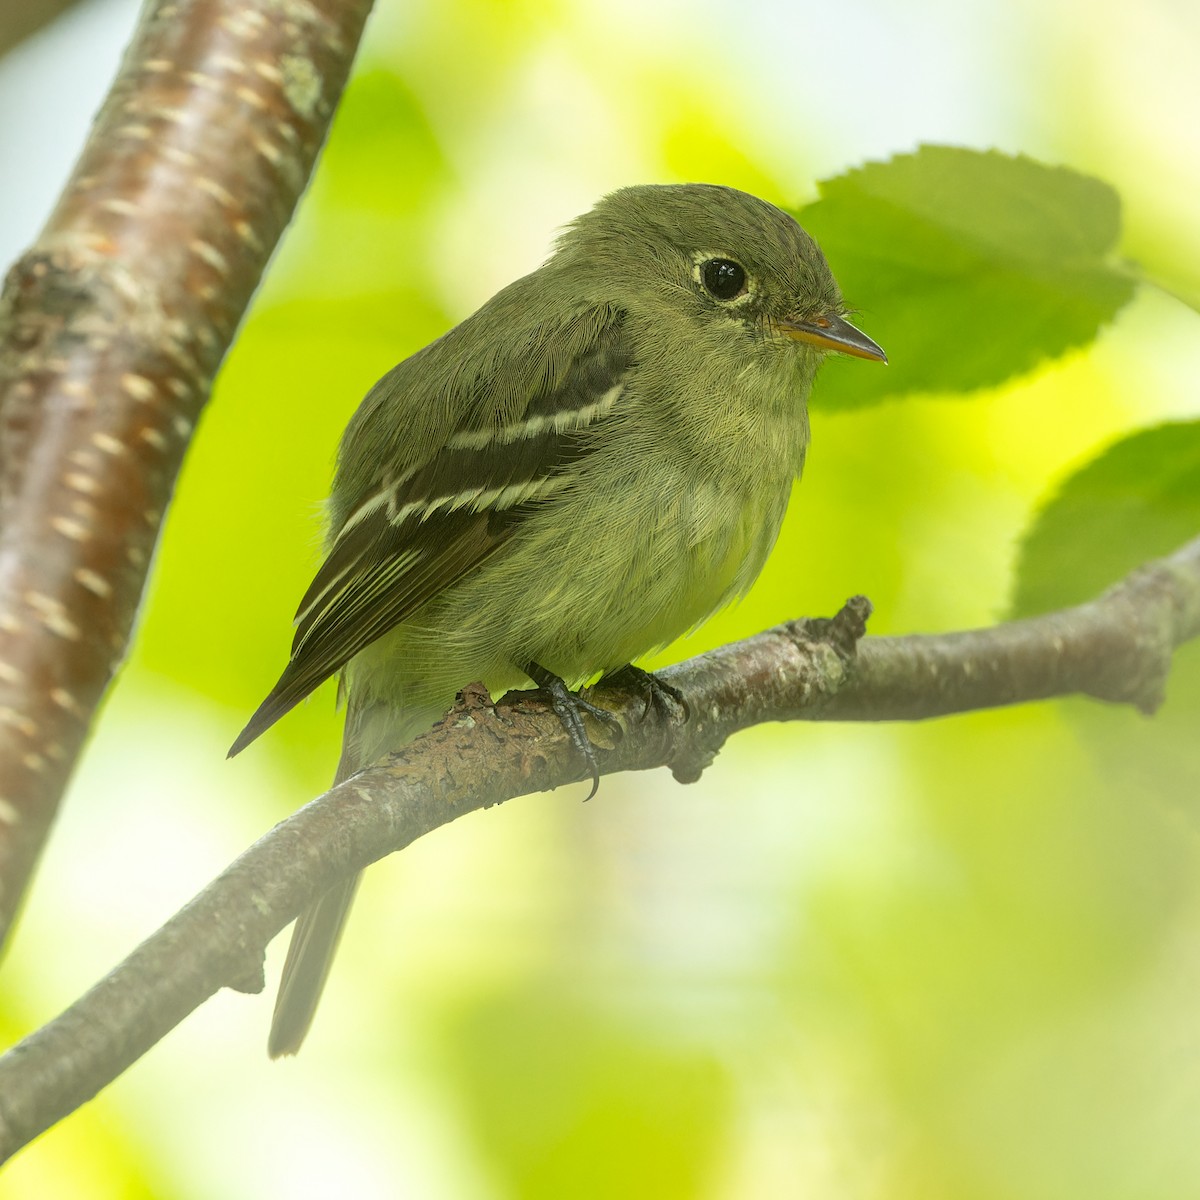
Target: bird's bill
{"points": [[832, 333]]}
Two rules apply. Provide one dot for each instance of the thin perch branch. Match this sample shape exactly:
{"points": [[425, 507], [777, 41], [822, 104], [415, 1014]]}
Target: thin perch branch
{"points": [[111, 328], [1117, 648]]}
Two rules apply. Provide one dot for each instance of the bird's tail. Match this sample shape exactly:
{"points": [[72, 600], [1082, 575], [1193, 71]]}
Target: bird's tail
{"points": [[314, 943], [310, 955], [373, 727]]}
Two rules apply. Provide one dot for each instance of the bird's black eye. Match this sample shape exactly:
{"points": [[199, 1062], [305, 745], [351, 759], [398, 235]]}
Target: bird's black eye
{"points": [[723, 278]]}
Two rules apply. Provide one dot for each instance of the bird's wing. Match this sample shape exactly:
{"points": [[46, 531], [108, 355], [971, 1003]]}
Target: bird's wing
{"points": [[415, 534]]}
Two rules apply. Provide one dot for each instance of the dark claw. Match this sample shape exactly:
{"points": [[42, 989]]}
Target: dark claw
{"points": [[568, 708], [656, 691]]}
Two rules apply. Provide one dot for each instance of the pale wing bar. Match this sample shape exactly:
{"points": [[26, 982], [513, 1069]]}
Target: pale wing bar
{"points": [[412, 538]]}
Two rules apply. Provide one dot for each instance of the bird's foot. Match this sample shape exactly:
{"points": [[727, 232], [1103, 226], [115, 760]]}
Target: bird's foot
{"points": [[569, 709], [658, 694]]}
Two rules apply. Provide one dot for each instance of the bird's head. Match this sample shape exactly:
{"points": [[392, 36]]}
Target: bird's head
{"points": [[713, 253]]}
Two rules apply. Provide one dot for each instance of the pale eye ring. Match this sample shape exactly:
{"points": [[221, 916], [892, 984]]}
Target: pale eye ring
{"points": [[723, 278]]}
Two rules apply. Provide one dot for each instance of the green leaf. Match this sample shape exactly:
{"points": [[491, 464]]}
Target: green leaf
{"points": [[1139, 500], [968, 267]]}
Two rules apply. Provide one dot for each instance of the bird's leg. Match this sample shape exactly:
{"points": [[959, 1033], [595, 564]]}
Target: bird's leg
{"points": [[658, 694], [569, 708]]}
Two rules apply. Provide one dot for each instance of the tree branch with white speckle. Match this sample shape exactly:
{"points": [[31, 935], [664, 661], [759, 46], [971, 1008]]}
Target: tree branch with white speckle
{"points": [[112, 326]]}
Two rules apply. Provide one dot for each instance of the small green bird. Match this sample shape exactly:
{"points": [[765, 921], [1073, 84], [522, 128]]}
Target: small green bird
{"points": [[590, 465]]}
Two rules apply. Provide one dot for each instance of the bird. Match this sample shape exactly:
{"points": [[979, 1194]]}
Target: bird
{"points": [[591, 464]]}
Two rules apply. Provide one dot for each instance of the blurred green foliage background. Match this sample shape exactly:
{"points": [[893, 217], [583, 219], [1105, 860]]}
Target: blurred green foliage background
{"points": [[946, 961]]}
